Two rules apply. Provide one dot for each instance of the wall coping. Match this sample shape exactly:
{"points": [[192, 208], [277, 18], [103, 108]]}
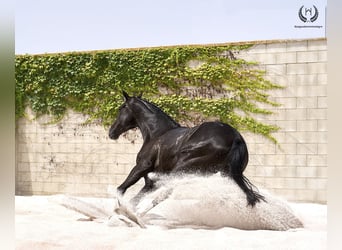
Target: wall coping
{"points": [[189, 45]]}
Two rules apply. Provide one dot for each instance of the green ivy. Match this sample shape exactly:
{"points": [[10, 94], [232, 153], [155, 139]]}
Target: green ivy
{"points": [[219, 86]]}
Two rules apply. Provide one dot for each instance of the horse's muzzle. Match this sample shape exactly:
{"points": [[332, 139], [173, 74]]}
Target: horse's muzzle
{"points": [[113, 136]]}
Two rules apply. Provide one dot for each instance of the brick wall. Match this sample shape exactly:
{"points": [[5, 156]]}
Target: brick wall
{"points": [[73, 158]]}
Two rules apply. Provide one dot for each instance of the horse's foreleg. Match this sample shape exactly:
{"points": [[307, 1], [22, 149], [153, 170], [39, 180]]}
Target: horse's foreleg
{"points": [[136, 173], [148, 187]]}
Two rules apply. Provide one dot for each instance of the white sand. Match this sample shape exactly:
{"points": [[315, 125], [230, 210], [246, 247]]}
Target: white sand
{"points": [[43, 223]]}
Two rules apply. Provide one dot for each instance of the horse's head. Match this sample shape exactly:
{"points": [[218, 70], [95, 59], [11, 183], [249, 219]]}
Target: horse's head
{"points": [[125, 119]]}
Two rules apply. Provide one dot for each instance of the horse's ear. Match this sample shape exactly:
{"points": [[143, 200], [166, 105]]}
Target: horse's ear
{"points": [[125, 95]]}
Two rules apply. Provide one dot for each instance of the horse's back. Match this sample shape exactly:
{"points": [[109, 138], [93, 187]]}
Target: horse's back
{"points": [[218, 133], [204, 148]]}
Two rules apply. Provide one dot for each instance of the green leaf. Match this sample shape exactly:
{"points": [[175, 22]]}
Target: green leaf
{"points": [[91, 83]]}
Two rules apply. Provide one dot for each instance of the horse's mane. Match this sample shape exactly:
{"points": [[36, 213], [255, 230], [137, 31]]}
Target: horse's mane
{"points": [[154, 108]]}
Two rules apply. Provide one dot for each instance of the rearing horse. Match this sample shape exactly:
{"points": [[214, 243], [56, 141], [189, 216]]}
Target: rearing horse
{"points": [[170, 148]]}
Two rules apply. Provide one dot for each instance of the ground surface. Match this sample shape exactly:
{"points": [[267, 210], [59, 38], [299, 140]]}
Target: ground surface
{"points": [[42, 223]]}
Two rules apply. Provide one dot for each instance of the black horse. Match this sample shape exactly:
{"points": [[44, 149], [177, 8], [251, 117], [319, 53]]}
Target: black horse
{"points": [[170, 148]]}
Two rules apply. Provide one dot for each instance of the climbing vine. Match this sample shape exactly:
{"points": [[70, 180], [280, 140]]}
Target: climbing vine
{"points": [[190, 83]]}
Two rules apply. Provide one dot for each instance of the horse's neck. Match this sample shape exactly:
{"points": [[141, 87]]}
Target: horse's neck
{"points": [[154, 125], [153, 129]]}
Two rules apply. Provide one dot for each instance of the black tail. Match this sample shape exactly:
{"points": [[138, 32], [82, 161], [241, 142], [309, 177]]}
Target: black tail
{"points": [[237, 162]]}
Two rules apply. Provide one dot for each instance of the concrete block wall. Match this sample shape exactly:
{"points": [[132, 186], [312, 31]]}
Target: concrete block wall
{"points": [[73, 158], [296, 168]]}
